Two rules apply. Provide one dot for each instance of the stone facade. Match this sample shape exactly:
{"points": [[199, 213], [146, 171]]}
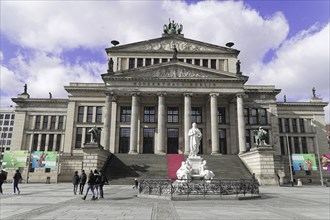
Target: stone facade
{"points": [[148, 102]]}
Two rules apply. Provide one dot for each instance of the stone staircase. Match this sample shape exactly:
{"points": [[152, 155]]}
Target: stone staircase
{"points": [[123, 168]]}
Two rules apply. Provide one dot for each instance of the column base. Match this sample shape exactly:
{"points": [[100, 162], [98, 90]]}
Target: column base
{"points": [[216, 154], [133, 152], [160, 153]]}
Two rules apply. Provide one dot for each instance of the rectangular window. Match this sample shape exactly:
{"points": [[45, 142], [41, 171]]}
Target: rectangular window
{"points": [[196, 114], [51, 142], [189, 61], [52, 122], [90, 114], [37, 124], [11, 122], [304, 145], [45, 123], [12, 117], [302, 125], [87, 137], [8, 142], [181, 60], [164, 60], [98, 114], [156, 61], [282, 144], [221, 115], [149, 115], [60, 122], [43, 142], [254, 116], [296, 145], [173, 115], [124, 139], [213, 64], [35, 142], [125, 113], [294, 125], [246, 116], [139, 62], [7, 116], [1, 116], [197, 62], [78, 137], [263, 116], [47, 170], [6, 122], [3, 135], [58, 142], [280, 125], [148, 61], [286, 125], [205, 62], [131, 63], [80, 114], [10, 135]]}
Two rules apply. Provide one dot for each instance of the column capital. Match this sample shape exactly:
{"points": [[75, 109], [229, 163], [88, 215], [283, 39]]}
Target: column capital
{"points": [[135, 93], [240, 95], [161, 94], [188, 94], [214, 94]]}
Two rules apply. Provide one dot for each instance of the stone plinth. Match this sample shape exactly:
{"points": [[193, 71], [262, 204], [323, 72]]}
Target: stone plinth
{"points": [[94, 156], [261, 162], [195, 163]]}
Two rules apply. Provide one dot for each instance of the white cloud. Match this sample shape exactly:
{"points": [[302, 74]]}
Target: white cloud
{"points": [[300, 64], [1, 56]]}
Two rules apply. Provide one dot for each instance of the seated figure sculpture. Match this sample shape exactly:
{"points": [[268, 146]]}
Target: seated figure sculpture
{"points": [[204, 172], [183, 173]]}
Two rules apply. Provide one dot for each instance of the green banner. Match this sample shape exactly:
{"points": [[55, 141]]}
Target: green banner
{"points": [[304, 162], [15, 159]]}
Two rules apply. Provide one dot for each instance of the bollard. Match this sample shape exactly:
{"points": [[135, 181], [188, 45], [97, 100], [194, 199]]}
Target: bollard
{"points": [[299, 183], [48, 180]]}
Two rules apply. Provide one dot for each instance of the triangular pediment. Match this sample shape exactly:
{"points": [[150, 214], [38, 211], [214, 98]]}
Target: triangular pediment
{"points": [[177, 70], [166, 44]]}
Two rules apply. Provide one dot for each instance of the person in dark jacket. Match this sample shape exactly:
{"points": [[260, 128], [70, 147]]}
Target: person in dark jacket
{"points": [[75, 182], [3, 177], [17, 178], [90, 183], [83, 179], [97, 183], [103, 180]]}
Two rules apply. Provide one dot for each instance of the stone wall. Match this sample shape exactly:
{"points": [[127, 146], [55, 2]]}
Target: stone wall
{"points": [[69, 164]]}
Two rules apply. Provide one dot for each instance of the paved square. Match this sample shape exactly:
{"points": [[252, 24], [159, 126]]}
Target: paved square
{"points": [[56, 201]]}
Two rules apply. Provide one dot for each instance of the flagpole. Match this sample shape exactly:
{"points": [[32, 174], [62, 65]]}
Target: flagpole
{"points": [[289, 154]]}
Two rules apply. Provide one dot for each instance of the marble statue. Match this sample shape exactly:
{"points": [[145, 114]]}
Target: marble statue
{"points": [[110, 65], [260, 136], [195, 137], [314, 92], [183, 173], [204, 172]]}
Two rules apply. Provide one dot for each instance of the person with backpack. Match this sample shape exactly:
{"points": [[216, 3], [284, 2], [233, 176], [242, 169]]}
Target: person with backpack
{"points": [[17, 178], [103, 180], [91, 183], [75, 182], [83, 179], [3, 177], [97, 183]]}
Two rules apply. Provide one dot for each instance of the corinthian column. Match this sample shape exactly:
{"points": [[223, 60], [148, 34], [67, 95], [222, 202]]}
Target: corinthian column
{"points": [[240, 124], [161, 124], [214, 123], [107, 121], [187, 121], [134, 124]]}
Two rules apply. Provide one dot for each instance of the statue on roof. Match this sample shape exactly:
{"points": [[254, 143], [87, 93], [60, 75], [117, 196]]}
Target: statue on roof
{"points": [[173, 28], [238, 66], [284, 98], [314, 92], [110, 65], [175, 53]]}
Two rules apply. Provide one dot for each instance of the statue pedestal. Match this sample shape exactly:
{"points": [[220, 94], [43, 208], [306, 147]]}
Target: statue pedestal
{"points": [[94, 156], [195, 163], [261, 162]]}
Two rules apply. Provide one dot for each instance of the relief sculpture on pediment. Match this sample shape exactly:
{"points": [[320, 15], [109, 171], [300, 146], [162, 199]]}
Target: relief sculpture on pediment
{"points": [[167, 45], [175, 72]]}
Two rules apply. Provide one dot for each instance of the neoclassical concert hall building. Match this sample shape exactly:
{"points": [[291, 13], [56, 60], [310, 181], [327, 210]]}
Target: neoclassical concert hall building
{"points": [[153, 91]]}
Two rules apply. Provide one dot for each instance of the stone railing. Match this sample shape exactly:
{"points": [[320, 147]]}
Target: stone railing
{"points": [[170, 187]]}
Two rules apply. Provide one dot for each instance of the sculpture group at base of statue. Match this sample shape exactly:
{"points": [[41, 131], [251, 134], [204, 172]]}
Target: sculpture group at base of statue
{"points": [[185, 172]]}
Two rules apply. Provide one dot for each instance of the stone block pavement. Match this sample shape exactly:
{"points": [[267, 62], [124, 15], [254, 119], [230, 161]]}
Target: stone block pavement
{"points": [[56, 201]]}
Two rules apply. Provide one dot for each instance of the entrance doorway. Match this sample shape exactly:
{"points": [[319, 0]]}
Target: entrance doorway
{"points": [[172, 140], [223, 141], [148, 140], [124, 140]]}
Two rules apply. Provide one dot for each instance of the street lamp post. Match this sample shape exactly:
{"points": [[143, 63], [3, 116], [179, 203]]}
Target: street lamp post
{"points": [[289, 154], [318, 152]]}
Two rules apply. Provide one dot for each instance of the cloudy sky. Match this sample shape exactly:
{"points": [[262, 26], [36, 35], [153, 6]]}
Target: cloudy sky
{"points": [[48, 44]]}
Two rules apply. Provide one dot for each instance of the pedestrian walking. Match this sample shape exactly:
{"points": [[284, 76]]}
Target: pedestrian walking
{"points": [[75, 182], [103, 181], [97, 183], [136, 184], [17, 178], [90, 183], [83, 179], [3, 177]]}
